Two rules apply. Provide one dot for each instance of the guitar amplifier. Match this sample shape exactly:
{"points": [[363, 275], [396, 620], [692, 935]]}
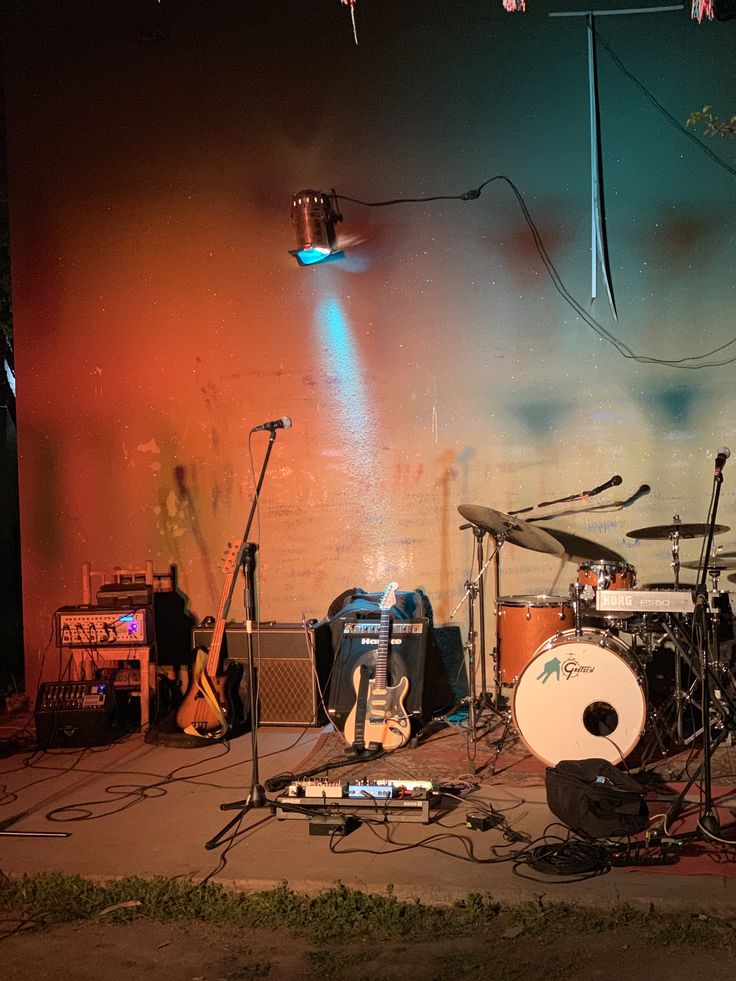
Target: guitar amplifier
{"points": [[93, 626], [412, 653], [74, 713], [289, 680]]}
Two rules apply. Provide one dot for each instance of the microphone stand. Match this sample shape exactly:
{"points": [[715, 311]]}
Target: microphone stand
{"points": [[256, 795], [708, 635]]}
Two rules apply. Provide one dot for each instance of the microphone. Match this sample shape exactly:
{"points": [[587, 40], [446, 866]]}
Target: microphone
{"points": [[721, 456], [283, 423], [613, 482], [644, 489]]}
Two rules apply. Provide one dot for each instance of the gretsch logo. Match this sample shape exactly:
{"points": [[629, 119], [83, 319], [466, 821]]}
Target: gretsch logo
{"points": [[571, 668]]}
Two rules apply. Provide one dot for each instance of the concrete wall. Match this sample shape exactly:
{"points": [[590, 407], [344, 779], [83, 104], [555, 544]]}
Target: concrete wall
{"points": [[153, 149]]}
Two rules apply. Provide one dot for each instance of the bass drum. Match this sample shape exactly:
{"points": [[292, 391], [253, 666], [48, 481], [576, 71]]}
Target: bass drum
{"points": [[580, 697]]}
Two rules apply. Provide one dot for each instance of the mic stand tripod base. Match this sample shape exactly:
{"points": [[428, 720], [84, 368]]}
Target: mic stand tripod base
{"points": [[256, 799], [710, 825]]}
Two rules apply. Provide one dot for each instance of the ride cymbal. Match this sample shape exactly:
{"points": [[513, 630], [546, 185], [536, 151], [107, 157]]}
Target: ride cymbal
{"points": [[511, 529], [669, 531]]}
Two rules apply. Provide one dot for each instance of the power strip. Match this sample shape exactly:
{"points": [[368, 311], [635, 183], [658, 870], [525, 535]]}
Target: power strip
{"points": [[640, 855]]}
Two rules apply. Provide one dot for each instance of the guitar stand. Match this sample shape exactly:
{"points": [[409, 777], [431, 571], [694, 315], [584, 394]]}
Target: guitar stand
{"points": [[256, 795]]}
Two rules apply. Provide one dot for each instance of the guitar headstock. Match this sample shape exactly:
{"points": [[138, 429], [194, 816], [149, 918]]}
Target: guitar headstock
{"points": [[389, 597], [230, 562]]}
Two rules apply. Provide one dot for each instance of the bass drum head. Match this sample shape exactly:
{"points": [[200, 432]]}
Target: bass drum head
{"points": [[580, 697]]}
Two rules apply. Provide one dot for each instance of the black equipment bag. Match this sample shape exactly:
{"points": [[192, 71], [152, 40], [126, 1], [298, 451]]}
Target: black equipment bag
{"points": [[593, 798]]}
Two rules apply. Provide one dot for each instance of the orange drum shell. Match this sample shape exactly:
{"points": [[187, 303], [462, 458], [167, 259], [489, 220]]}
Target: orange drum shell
{"points": [[607, 575], [524, 623]]}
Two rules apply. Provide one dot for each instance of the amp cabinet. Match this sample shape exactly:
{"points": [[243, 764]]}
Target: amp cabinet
{"points": [[292, 665]]}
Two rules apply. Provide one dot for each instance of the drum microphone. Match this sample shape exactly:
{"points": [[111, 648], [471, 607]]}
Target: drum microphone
{"points": [[613, 482], [721, 456], [644, 489], [283, 423]]}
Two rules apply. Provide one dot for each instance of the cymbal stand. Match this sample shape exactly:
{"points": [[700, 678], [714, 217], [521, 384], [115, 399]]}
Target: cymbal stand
{"points": [[479, 534], [473, 591], [675, 547]]}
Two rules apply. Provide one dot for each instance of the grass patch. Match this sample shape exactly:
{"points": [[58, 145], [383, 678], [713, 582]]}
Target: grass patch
{"points": [[338, 915]]}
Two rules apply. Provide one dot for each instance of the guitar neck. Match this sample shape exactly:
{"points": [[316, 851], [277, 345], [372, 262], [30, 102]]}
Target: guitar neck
{"points": [[384, 632], [218, 631]]}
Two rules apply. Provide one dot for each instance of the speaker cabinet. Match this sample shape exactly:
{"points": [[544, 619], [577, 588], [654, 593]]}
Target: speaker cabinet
{"points": [[74, 713], [412, 654], [292, 666]]}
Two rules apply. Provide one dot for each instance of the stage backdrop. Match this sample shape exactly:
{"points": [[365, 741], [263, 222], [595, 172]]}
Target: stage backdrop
{"points": [[153, 149]]}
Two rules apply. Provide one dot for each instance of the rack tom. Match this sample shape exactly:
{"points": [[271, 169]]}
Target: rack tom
{"points": [[607, 575]]}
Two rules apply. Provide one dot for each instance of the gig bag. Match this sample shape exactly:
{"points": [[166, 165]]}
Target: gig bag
{"points": [[593, 798]]}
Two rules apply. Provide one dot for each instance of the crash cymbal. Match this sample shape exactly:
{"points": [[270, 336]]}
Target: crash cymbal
{"points": [[513, 530], [684, 531], [583, 549], [718, 563]]}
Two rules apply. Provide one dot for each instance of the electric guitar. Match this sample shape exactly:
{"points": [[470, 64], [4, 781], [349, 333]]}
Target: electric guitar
{"points": [[207, 709], [378, 717]]}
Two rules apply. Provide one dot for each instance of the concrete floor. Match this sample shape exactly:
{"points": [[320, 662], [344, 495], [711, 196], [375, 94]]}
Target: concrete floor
{"points": [[133, 808]]}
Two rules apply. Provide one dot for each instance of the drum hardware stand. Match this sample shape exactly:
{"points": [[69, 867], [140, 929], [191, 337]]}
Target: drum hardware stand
{"points": [[577, 590], [256, 795], [705, 631], [479, 534], [675, 547], [473, 591]]}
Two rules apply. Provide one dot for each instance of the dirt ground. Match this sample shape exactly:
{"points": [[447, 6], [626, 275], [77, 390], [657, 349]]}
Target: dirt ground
{"points": [[91, 950]]}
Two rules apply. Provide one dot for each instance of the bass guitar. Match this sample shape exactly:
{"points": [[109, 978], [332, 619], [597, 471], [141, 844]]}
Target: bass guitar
{"points": [[378, 719], [207, 709]]}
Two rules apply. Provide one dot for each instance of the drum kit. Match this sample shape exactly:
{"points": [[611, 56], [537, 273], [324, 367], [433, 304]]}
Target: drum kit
{"points": [[574, 675]]}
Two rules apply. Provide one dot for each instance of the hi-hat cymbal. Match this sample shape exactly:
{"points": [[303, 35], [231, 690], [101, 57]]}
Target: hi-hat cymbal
{"points": [[717, 563], [583, 549], [683, 531], [511, 529]]}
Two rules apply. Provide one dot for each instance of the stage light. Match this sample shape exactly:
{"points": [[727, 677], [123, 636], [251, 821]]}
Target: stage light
{"points": [[314, 216]]}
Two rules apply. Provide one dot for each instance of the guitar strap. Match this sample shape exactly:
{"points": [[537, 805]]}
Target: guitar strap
{"points": [[361, 708]]}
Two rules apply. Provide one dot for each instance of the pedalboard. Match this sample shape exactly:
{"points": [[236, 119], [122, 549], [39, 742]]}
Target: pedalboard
{"points": [[379, 799], [381, 789]]}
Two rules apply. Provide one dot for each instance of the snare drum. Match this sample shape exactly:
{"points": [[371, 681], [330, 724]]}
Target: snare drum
{"points": [[525, 622], [580, 697]]}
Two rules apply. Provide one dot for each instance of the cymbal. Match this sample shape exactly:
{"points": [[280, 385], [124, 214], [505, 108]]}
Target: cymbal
{"points": [[717, 563], [732, 577], [513, 530], [668, 531], [583, 549]]}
